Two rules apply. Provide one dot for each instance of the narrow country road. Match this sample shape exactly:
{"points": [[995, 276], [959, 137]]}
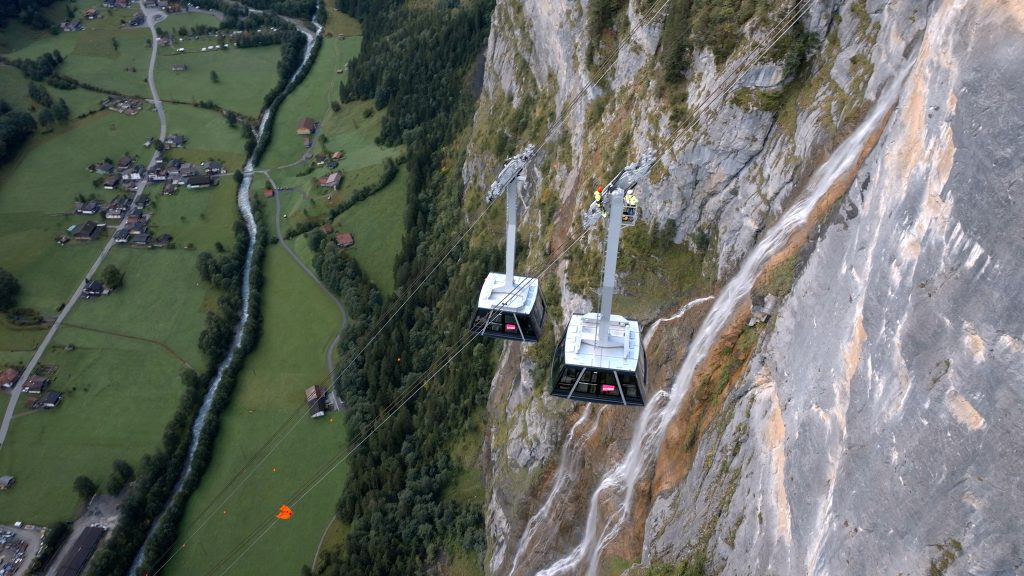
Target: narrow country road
{"points": [[16, 392], [334, 298]]}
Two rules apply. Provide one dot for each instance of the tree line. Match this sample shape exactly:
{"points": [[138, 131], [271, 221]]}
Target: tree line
{"points": [[400, 521], [148, 495], [28, 12], [414, 60]]}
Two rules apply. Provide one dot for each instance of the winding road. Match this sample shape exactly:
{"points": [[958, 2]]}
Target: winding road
{"points": [[283, 242], [16, 392]]}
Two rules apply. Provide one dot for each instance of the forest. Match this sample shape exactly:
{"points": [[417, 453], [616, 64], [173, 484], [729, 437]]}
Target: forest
{"points": [[394, 500]]}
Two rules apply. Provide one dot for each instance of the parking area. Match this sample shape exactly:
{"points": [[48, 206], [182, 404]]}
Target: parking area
{"points": [[18, 546]]}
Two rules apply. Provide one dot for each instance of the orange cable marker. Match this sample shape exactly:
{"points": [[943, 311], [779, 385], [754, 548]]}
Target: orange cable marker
{"points": [[285, 513]]}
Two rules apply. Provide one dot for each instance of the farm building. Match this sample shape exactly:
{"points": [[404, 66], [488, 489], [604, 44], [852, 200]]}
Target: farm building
{"points": [[85, 231], [50, 400], [6, 482], [112, 181], [199, 181], [8, 377], [316, 399], [306, 126], [179, 67], [36, 385], [332, 181], [344, 239]]}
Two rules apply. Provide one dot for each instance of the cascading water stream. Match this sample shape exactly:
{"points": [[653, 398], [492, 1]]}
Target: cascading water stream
{"points": [[245, 207], [568, 465], [650, 430]]}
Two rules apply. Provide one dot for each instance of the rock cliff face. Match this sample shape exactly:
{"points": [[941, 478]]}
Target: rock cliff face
{"points": [[869, 426]]}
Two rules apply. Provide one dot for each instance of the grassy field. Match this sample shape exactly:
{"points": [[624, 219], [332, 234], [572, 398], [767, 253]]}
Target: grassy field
{"points": [[123, 70], [340, 23], [121, 382], [119, 393], [39, 186], [90, 55], [377, 224], [209, 136], [299, 322], [245, 76]]}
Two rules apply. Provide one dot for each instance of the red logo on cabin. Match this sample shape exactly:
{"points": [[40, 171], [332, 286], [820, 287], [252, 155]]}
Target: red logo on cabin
{"points": [[510, 327], [607, 387]]}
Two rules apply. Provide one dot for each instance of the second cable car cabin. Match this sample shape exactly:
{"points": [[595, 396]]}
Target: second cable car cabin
{"points": [[512, 312], [601, 357], [613, 372]]}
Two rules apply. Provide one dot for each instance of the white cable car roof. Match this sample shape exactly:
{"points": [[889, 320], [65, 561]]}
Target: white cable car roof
{"points": [[581, 338], [518, 300]]}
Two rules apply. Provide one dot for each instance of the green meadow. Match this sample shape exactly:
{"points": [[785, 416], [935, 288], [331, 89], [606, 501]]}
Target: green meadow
{"points": [[237, 494]]}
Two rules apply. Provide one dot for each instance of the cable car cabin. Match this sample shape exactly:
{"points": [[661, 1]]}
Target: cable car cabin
{"points": [[615, 373], [511, 313]]}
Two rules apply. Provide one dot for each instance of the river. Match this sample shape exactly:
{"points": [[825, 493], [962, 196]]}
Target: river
{"points": [[245, 208]]}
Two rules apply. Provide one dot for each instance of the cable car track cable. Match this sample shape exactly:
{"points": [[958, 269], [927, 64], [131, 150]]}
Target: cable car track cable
{"points": [[402, 400]]}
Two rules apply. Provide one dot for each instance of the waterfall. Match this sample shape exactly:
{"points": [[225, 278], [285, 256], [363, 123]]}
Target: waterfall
{"points": [[620, 482]]}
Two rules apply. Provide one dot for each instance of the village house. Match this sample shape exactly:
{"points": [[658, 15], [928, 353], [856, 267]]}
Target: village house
{"points": [[111, 182], [72, 26], [142, 201], [344, 240], [88, 230], [185, 171], [135, 215], [91, 14], [94, 289], [49, 400], [213, 167], [306, 126], [163, 241], [332, 181], [158, 175], [124, 163], [102, 168], [136, 173], [169, 189], [141, 240], [117, 207], [9, 377], [122, 236], [337, 155], [137, 228], [316, 400], [175, 141], [36, 385], [138, 19], [88, 208]]}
